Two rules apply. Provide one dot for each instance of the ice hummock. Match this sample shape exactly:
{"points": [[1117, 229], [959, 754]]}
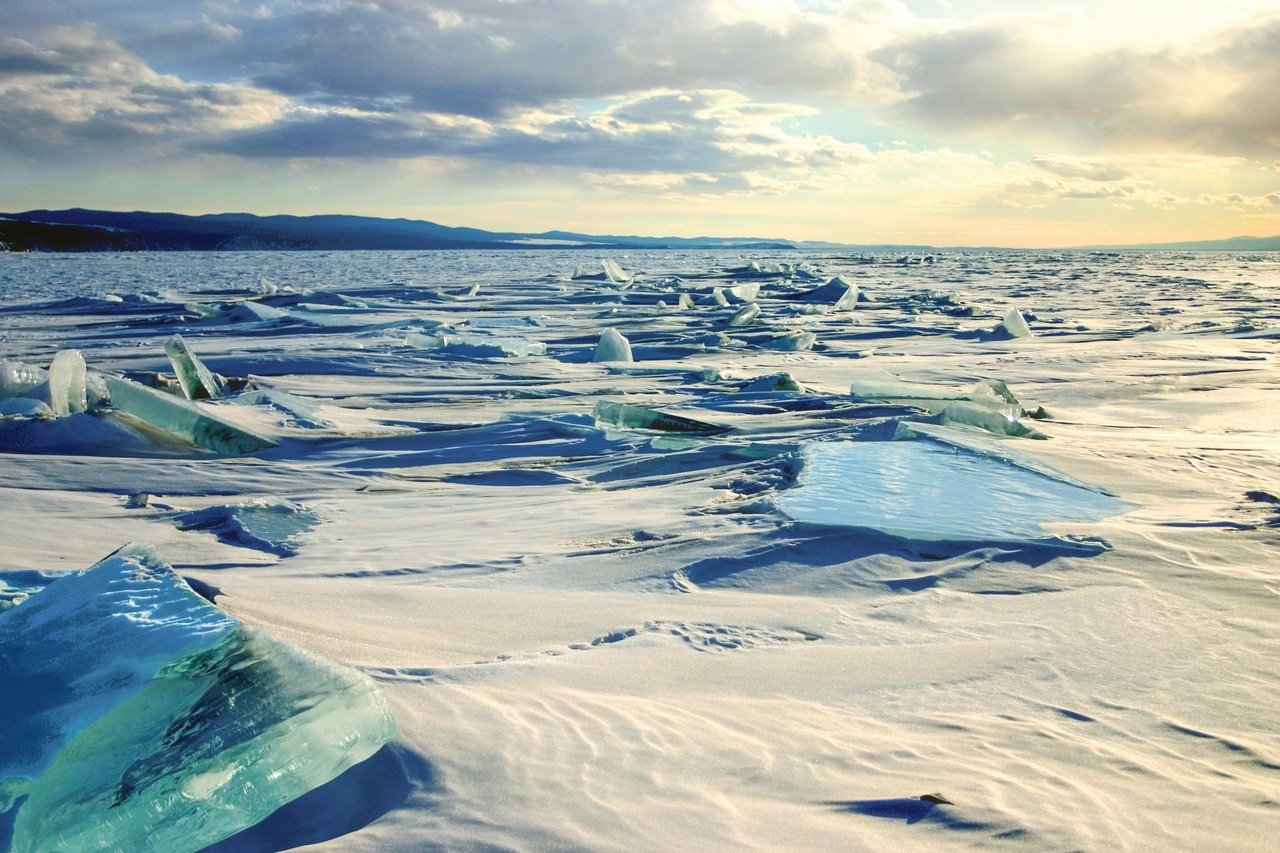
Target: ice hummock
{"points": [[612, 347], [839, 294], [139, 716], [931, 490]]}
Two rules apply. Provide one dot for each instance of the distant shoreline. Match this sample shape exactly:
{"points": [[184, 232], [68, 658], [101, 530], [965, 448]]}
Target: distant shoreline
{"points": [[82, 230]]}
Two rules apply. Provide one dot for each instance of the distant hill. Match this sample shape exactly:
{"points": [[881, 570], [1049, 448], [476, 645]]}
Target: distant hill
{"points": [[1232, 244], [80, 230]]}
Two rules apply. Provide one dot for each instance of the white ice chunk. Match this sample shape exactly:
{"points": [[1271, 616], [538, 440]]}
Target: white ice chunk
{"points": [[197, 381], [1013, 325], [67, 393], [612, 347], [614, 273], [182, 418]]}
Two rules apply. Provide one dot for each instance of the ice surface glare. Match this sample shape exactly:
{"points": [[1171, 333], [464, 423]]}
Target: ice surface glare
{"points": [[642, 417], [612, 347], [197, 381], [21, 380], [67, 383], [147, 719], [932, 491], [182, 418], [1013, 325]]}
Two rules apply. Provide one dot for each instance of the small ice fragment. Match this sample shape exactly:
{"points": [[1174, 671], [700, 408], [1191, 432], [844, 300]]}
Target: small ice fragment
{"points": [[642, 417], [774, 382], [137, 500], [182, 418], [745, 316], [1013, 325], [983, 417], [67, 393], [18, 379], [612, 347], [718, 297], [270, 526], [686, 301], [793, 342], [198, 382]]}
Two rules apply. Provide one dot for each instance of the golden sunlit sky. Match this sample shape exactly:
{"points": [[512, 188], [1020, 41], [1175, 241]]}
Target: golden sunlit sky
{"points": [[885, 121]]}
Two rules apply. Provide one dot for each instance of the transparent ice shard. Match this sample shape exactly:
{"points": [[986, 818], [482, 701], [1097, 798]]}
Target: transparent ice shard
{"points": [[18, 379], [138, 716], [270, 526], [1013, 325], [745, 316], [934, 491], [612, 347], [182, 418], [838, 293], [642, 417], [67, 393], [614, 273], [198, 382]]}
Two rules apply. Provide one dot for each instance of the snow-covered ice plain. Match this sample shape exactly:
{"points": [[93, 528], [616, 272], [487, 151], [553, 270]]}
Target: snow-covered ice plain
{"points": [[839, 535]]}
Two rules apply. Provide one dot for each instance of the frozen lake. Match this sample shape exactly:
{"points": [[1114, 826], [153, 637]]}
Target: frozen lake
{"points": [[700, 599]]}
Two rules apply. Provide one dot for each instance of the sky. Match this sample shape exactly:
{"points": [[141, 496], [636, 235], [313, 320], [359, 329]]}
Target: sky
{"points": [[941, 122]]}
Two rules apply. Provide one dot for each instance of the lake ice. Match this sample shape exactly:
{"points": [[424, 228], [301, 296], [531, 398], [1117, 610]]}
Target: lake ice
{"points": [[681, 550]]}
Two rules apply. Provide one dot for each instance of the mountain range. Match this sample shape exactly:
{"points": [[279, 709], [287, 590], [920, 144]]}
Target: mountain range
{"points": [[81, 230]]}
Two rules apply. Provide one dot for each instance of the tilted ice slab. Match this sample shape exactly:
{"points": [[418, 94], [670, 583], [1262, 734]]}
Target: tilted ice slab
{"points": [[630, 416], [182, 418], [197, 381], [139, 716], [936, 491]]}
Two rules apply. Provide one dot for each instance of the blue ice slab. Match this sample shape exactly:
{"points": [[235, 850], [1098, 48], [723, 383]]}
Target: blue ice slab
{"points": [[270, 526], [137, 716], [934, 491]]}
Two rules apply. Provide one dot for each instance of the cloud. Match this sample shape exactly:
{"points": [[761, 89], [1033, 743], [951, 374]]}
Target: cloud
{"points": [[1220, 95], [80, 93], [711, 137]]}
